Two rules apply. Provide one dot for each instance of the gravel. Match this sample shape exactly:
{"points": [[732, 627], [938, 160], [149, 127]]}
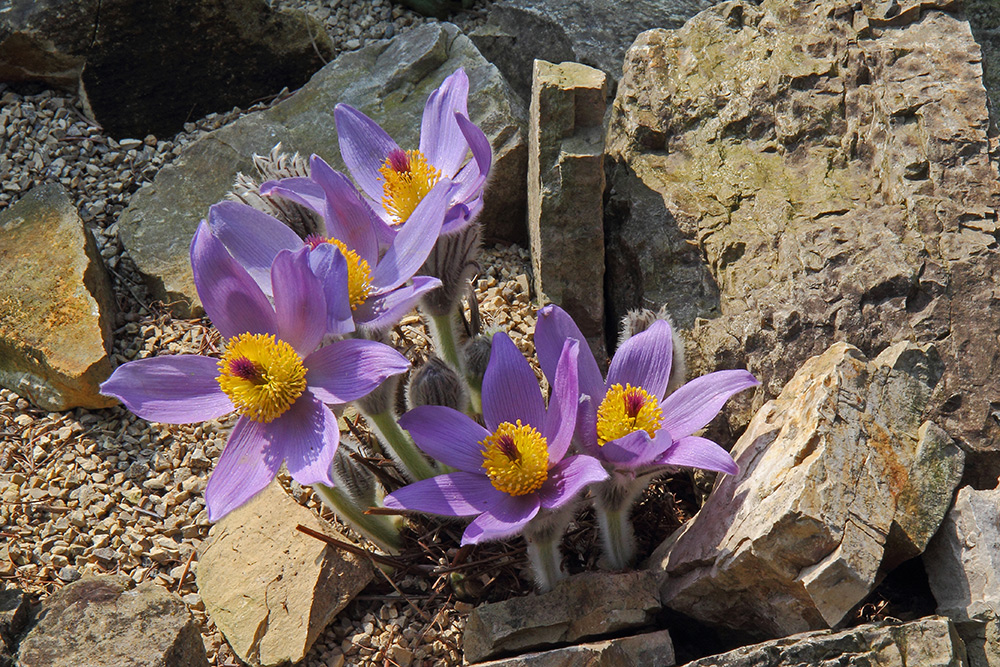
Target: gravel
{"points": [[84, 492]]}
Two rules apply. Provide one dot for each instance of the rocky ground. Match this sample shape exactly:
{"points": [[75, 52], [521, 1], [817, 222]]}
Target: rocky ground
{"points": [[104, 491]]}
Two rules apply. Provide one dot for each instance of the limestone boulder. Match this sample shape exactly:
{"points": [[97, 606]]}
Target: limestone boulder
{"points": [[99, 622], [566, 192], [585, 606], [56, 304], [928, 642], [786, 176], [651, 648], [839, 481], [389, 81], [147, 68], [270, 588]]}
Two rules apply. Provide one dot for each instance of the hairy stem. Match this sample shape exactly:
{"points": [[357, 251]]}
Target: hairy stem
{"points": [[401, 448], [381, 530]]}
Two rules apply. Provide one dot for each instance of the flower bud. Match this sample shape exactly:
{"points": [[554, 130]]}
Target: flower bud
{"points": [[351, 477], [437, 383], [476, 356], [271, 167], [637, 321]]}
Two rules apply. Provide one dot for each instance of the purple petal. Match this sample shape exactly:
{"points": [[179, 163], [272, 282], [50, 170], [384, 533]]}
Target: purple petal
{"points": [[568, 478], [306, 437], [503, 519], [364, 146], [231, 298], [346, 370], [456, 219], [176, 390], [560, 419], [447, 435], [330, 267], [586, 425], [253, 238], [473, 175], [510, 388], [454, 494], [299, 301], [303, 191], [441, 140], [635, 449], [414, 241], [553, 328], [385, 310], [644, 360], [349, 217], [247, 465], [695, 452], [696, 403]]}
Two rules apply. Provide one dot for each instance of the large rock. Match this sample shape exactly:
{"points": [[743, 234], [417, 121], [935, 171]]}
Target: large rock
{"points": [[800, 174], [149, 67], [56, 304], [566, 192], [929, 642], [582, 607], [984, 17], [389, 81], [270, 588], [839, 481], [651, 648], [97, 622], [593, 32], [14, 609]]}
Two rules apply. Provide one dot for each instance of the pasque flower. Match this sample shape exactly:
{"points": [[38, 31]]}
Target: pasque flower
{"points": [[630, 424], [513, 468], [380, 289], [272, 373], [396, 180]]}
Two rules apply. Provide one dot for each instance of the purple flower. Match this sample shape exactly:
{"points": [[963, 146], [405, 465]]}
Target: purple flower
{"points": [[272, 374], [513, 468], [626, 421], [396, 180], [379, 287]]}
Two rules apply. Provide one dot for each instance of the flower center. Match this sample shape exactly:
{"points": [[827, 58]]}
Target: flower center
{"points": [[516, 458], [261, 376], [359, 274], [408, 177], [626, 410]]}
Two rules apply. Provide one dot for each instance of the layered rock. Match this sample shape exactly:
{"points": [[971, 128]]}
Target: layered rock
{"points": [[98, 622], [56, 304], [839, 481], [791, 175], [270, 588], [147, 68], [566, 192], [651, 648], [389, 81]]}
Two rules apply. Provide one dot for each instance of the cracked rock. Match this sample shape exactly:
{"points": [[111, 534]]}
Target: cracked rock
{"points": [[839, 481]]}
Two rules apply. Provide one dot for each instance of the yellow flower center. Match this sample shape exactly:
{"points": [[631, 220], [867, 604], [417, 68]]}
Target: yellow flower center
{"points": [[408, 177], [359, 274], [261, 376], [625, 411], [516, 458]]}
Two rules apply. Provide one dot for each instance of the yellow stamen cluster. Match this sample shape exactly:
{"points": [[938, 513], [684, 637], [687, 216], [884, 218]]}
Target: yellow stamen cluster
{"points": [[359, 275], [407, 180], [261, 376], [626, 410], [516, 458]]}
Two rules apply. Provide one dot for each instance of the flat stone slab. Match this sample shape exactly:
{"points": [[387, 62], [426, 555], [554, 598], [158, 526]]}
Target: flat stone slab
{"points": [[389, 81], [652, 648], [585, 606], [56, 304], [98, 622], [270, 588]]}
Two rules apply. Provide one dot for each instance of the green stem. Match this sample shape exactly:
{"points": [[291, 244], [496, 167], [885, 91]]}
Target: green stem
{"points": [[443, 330], [401, 448], [617, 535], [378, 529], [546, 562]]}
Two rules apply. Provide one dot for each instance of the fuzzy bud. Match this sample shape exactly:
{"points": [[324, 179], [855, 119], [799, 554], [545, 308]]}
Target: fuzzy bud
{"points": [[351, 477], [637, 321], [476, 356], [272, 167], [437, 383]]}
